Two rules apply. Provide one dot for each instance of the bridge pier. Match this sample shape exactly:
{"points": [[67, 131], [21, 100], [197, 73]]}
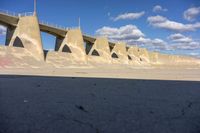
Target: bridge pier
{"points": [[27, 35], [72, 43], [99, 51], [69, 50], [119, 53], [9, 33], [134, 56], [144, 55]]}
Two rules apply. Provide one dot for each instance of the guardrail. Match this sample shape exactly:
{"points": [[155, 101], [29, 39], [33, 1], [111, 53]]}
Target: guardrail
{"points": [[26, 14], [6, 12], [57, 26], [9, 13], [53, 25]]}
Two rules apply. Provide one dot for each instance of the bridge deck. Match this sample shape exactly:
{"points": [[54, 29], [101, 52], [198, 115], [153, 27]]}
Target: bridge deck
{"points": [[9, 20]]}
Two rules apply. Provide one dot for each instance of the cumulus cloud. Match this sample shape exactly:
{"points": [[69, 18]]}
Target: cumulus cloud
{"points": [[191, 13], [129, 16], [186, 46], [163, 22], [179, 38], [159, 8], [123, 33], [182, 42], [131, 35], [195, 54], [2, 30], [153, 44]]}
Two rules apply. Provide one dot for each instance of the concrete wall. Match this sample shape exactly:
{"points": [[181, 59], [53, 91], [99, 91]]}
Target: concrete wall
{"points": [[158, 59], [27, 35]]}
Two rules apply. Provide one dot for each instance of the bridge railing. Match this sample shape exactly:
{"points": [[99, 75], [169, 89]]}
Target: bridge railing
{"points": [[53, 25], [9, 13], [6, 12], [16, 14], [26, 14], [57, 26]]}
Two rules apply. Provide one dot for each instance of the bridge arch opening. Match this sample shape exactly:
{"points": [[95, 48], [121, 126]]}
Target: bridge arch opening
{"points": [[115, 56], [129, 57], [95, 53], [66, 49], [18, 43]]}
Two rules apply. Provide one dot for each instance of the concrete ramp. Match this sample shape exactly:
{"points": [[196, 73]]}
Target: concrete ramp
{"points": [[119, 53], [26, 35], [14, 57], [63, 59], [99, 52], [72, 44]]}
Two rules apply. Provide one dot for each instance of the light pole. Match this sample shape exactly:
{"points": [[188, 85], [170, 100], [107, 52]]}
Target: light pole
{"points": [[35, 8], [79, 23]]}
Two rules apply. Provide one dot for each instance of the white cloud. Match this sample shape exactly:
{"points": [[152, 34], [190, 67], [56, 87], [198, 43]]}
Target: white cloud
{"points": [[159, 8], [153, 44], [162, 22], [186, 46], [129, 16], [191, 13], [182, 42], [2, 30], [123, 33], [194, 54], [131, 35], [179, 38]]}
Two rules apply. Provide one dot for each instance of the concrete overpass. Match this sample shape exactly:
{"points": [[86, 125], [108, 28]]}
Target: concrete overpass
{"points": [[67, 40], [7, 19]]}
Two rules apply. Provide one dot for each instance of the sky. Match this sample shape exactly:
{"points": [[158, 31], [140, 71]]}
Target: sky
{"points": [[166, 26]]}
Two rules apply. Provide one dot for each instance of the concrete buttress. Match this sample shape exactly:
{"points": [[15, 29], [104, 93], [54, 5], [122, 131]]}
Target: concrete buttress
{"points": [[100, 50], [27, 35], [72, 43], [119, 53]]}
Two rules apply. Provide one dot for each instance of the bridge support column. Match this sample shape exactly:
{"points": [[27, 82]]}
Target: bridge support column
{"points": [[119, 53], [72, 43], [144, 55], [26, 35], [9, 34], [100, 50], [133, 55]]}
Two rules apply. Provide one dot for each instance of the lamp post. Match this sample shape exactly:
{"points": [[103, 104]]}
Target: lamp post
{"points": [[35, 8]]}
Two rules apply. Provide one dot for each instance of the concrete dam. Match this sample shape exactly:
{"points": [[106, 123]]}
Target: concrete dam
{"points": [[24, 49]]}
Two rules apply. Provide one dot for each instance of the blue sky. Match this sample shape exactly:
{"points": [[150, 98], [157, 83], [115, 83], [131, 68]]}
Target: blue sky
{"points": [[168, 26]]}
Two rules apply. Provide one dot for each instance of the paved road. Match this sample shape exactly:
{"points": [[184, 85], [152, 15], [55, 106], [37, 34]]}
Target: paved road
{"points": [[86, 105]]}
